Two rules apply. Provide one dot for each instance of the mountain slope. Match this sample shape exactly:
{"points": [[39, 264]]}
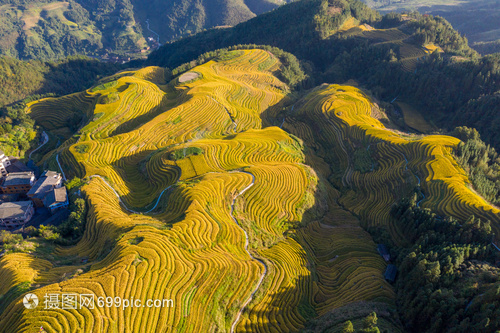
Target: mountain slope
{"points": [[195, 197], [56, 29], [176, 18], [299, 28], [477, 20], [230, 178], [392, 56]]}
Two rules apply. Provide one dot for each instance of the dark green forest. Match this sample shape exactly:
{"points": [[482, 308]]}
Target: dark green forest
{"points": [[481, 161], [447, 279]]}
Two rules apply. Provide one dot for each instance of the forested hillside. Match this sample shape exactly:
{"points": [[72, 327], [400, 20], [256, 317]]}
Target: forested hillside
{"points": [[45, 29], [23, 81], [476, 19], [20, 79]]}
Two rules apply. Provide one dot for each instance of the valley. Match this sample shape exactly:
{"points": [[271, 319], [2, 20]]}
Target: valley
{"points": [[316, 168]]}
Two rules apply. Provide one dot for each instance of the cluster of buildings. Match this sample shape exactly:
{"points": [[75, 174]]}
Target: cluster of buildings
{"points": [[21, 193]]}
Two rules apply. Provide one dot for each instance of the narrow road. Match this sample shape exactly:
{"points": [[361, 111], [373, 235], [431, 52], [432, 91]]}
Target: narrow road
{"points": [[238, 315], [154, 32], [263, 275], [44, 141], [60, 167], [123, 203], [116, 193]]}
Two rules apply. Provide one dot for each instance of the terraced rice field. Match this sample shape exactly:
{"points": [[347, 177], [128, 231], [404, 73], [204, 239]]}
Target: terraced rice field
{"points": [[409, 54], [341, 115], [242, 228], [136, 141], [414, 119]]}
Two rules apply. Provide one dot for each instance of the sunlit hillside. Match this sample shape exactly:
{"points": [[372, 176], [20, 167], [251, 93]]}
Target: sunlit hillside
{"points": [[195, 197], [209, 175]]}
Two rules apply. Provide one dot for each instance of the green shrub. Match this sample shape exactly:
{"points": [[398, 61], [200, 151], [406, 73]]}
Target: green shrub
{"points": [[185, 152]]}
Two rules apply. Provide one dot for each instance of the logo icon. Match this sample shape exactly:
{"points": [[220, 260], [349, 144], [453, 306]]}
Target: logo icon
{"points": [[30, 301]]}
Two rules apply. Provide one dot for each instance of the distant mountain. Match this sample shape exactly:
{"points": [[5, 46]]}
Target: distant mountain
{"points": [[478, 20], [111, 28], [301, 28], [173, 19]]}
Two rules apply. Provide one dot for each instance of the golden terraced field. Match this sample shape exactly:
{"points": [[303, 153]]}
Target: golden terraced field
{"points": [[209, 175], [193, 197], [246, 227], [342, 117]]}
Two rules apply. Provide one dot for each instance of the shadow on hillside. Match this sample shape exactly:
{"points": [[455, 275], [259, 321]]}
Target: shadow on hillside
{"points": [[274, 115], [165, 105], [73, 75], [272, 316], [72, 168], [134, 167]]}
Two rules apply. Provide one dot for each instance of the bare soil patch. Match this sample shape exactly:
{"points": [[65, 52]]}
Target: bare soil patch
{"points": [[188, 77]]}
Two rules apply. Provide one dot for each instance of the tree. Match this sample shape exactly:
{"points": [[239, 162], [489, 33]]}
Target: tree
{"points": [[48, 232], [370, 321], [348, 327]]}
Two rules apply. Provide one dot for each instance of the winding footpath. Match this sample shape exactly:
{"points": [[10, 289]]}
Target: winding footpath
{"points": [[60, 167], [262, 276], [154, 32], [123, 203], [116, 193], [238, 315], [45, 140]]}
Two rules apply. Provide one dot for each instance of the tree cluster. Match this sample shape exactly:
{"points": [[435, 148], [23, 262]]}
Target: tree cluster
{"points": [[447, 280], [480, 161]]}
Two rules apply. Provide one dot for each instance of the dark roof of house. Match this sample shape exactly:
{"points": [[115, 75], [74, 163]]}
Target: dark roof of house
{"points": [[45, 184], [18, 166], [382, 249], [12, 210], [18, 178], [33, 167], [390, 272], [8, 197], [56, 196]]}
